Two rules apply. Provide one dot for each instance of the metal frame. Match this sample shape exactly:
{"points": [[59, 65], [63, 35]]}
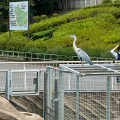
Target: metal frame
{"points": [[107, 70], [9, 84], [111, 72]]}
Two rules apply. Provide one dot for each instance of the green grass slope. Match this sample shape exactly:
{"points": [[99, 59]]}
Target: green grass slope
{"points": [[97, 29]]}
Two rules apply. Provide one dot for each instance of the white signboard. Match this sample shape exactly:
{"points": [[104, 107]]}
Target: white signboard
{"points": [[18, 15]]}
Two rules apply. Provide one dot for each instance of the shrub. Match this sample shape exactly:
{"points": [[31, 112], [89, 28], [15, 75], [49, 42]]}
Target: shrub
{"points": [[45, 33], [117, 1], [36, 46], [43, 17], [116, 13], [118, 21], [54, 15], [17, 42], [36, 18]]}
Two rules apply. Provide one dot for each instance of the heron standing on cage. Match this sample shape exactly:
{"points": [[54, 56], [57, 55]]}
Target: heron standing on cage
{"points": [[83, 56]]}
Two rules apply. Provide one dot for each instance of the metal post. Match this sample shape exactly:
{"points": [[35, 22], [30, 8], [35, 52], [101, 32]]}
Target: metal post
{"points": [[25, 81], [108, 98], [56, 100], [37, 82], [10, 84], [45, 96], [77, 97], [7, 89], [61, 95], [49, 93]]}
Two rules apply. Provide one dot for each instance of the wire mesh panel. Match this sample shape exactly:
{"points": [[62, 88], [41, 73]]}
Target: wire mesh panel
{"points": [[95, 103], [25, 81], [115, 105], [112, 102], [115, 82], [92, 94], [3, 80]]}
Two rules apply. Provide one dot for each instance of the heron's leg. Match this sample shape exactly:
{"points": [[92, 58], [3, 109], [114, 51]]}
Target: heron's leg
{"points": [[82, 67]]}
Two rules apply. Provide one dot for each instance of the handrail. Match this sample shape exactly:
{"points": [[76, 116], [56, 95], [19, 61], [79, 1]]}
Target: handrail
{"points": [[28, 56]]}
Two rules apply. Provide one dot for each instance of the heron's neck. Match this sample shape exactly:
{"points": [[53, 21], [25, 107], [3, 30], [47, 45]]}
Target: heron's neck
{"points": [[74, 43]]}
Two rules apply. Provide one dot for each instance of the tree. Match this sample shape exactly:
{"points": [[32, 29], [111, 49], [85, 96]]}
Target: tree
{"points": [[44, 6]]}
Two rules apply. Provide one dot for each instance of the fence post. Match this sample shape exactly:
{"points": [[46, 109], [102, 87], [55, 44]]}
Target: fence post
{"points": [[108, 98], [45, 96], [56, 100], [61, 95], [7, 87], [77, 97]]}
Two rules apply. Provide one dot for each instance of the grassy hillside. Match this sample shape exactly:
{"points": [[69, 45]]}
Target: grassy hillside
{"points": [[97, 29]]}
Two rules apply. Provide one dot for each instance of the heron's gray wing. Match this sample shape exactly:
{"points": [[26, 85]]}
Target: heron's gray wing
{"points": [[84, 56]]}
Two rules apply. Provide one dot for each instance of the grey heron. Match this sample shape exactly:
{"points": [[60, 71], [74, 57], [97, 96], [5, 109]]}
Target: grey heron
{"points": [[83, 56]]}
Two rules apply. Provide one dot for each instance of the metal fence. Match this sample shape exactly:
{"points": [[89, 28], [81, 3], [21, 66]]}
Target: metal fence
{"points": [[28, 56], [70, 91], [6, 67], [93, 95]]}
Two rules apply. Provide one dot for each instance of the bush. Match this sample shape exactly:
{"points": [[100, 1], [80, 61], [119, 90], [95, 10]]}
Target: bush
{"points": [[116, 13], [54, 15], [36, 47], [17, 43], [43, 17], [36, 18], [117, 1], [45, 33]]}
